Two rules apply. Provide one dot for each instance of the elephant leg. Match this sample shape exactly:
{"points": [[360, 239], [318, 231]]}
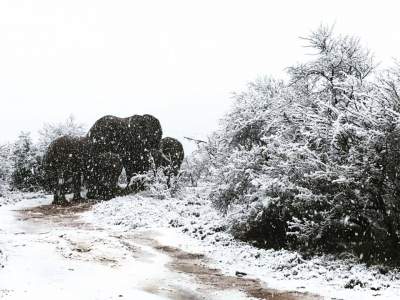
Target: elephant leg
{"points": [[59, 195], [128, 171], [77, 187], [77, 196], [97, 190], [128, 179], [109, 190], [56, 197], [108, 193], [90, 192], [102, 192], [62, 188]]}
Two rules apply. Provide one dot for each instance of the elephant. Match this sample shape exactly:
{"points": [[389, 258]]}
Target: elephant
{"points": [[169, 157], [102, 178], [63, 166], [131, 138], [145, 134]]}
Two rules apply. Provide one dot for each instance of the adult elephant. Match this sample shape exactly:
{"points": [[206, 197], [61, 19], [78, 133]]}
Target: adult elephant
{"points": [[63, 166], [169, 157], [131, 138], [144, 136], [102, 179]]}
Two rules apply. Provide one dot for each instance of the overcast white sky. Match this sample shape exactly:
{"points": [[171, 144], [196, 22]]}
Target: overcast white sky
{"points": [[177, 60]]}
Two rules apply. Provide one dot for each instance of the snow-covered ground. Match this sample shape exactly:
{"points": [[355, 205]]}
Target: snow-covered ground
{"points": [[50, 263], [9, 197], [52, 253], [189, 222], [152, 246]]}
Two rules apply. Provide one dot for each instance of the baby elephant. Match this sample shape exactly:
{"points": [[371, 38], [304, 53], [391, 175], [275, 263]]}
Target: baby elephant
{"points": [[169, 157], [102, 176]]}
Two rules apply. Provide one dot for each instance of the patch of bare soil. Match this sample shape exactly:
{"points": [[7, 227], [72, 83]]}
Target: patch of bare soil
{"points": [[59, 210], [197, 266], [62, 215]]}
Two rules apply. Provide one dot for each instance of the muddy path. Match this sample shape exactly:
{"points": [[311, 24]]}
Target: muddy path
{"points": [[136, 257], [197, 265]]}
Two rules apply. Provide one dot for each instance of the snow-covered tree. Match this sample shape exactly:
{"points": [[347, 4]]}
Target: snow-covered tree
{"points": [[197, 166], [6, 166], [50, 132], [314, 164], [5, 161], [338, 70], [26, 164]]}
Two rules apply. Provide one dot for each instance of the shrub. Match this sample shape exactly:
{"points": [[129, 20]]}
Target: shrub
{"points": [[314, 164], [26, 173]]}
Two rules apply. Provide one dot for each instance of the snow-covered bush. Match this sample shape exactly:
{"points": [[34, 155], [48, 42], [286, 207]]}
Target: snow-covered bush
{"points": [[6, 167], [313, 164], [50, 132], [26, 160], [5, 161], [198, 165], [155, 183]]}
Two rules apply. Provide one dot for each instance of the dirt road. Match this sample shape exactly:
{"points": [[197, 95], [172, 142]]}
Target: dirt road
{"points": [[52, 254]]}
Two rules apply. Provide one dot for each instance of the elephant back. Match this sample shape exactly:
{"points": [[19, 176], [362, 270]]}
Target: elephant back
{"points": [[107, 134], [64, 153]]}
